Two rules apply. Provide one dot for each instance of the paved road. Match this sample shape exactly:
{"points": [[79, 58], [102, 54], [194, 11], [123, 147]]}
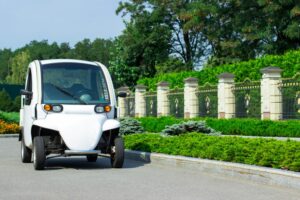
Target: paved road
{"points": [[74, 178]]}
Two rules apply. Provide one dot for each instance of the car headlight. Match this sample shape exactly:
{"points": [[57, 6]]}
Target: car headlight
{"points": [[102, 108], [53, 108]]}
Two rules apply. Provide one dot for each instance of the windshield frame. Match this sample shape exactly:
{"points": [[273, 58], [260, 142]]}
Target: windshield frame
{"points": [[73, 63]]}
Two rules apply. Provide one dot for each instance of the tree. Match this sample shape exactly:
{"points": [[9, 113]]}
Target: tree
{"points": [[6, 104], [145, 41], [239, 30], [121, 73], [185, 43], [18, 68], [5, 56]]}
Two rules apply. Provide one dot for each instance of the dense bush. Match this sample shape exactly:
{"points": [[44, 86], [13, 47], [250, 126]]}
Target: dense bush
{"points": [[130, 126], [7, 128], [262, 152], [255, 127], [189, 126], [289, 62], [157, 124], [10, 117], [7, 104], [251, 127]]}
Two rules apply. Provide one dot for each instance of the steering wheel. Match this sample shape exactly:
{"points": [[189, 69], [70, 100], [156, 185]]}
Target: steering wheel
{"points": [[84, 95]]}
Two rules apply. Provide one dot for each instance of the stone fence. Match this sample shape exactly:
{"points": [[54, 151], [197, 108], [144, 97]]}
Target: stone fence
{"points": [[271, 98]]}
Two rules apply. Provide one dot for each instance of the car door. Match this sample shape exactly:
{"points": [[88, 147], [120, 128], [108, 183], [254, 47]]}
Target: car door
{"points": [[28, 110]]}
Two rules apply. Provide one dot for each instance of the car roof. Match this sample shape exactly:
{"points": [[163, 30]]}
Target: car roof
{"points": [[54, 61]]}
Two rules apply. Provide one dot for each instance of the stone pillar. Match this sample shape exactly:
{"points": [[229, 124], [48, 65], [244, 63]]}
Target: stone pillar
{"points": [[122, 105], [271, 97], [140, 101], [226, 99], [191, 100], [163, 104]]}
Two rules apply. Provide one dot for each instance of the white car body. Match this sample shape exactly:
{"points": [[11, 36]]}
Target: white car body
{"points": [[79, 126]]}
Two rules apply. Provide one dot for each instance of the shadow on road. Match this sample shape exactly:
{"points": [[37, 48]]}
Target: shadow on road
{"points": [[80, 163]]}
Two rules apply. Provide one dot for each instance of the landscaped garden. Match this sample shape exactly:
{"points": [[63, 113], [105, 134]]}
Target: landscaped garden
{"points": [[200, 138]]}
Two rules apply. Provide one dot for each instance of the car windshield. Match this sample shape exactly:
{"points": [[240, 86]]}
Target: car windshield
{"points": [[73, 83]]}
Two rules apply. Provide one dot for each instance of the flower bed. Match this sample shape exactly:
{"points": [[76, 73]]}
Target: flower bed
{"points": [[8, 128]]}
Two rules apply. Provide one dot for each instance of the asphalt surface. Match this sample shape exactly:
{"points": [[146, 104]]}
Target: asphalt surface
{"points": [[75, 178]]}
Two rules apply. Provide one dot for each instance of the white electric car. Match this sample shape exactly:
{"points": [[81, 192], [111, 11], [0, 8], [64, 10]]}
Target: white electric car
{"points": [[69, 109]]}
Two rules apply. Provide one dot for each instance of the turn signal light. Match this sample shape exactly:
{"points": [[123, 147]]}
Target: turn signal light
{"points": [[53, 108], [47, 107], [102, 108], [107, 108]]}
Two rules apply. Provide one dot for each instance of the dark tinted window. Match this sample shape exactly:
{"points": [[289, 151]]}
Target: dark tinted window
{"points": [[73, 83]]}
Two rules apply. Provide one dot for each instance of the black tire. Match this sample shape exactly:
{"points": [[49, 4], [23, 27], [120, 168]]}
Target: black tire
{"points": [[117, 155], [92, 158], [39, 156], [25, 153]]}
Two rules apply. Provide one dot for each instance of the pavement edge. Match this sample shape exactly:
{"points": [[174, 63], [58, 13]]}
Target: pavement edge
{"points": [[262, 175]]}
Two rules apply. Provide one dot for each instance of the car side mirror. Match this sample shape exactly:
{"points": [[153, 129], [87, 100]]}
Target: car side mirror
{"points": [[26, 93], [122, 94]]}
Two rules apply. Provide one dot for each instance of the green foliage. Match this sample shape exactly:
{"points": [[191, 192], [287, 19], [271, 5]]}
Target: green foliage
{"points": [[171, 65], [289, 62], [13, 64], [248, 127], [17, 104], [130, 126], [19, 68], [256, 127], [187, 127], [262, 152], [157, 124], [6, 103], [10, 117], [122, 74]]}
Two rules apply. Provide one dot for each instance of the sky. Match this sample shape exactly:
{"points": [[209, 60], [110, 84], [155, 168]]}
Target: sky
{"points": [[22, 21]]}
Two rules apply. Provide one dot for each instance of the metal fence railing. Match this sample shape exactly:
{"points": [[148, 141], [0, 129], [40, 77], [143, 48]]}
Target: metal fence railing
{"points": [[151, 104], [247, 99], [290, 89], [208, 100], [176, 101], [130, 101]]}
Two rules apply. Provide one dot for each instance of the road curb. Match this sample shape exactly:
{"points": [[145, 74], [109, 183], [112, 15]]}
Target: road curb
{"points": [[256, 174], [9, 136]]}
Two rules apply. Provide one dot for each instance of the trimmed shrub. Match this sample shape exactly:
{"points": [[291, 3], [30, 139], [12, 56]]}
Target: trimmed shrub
{"points": [[130, 126], [256, 127], [189, 126], [248, 127], [262, 152], [289, 62], [157, 124], [12, 117]]}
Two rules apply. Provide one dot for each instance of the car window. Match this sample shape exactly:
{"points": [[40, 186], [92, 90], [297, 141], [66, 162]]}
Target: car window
{"points": [[74, 83]]}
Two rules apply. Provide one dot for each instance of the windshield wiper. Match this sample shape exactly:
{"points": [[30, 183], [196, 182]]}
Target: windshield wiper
{"points": [[69, 94]]}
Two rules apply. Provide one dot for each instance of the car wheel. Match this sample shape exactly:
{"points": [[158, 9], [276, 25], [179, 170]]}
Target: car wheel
{"points": [[92, 158], [25, 153], [117, 153], [39, 156]]}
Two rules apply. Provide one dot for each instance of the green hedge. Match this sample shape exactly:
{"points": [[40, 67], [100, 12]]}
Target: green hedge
{"points": [[10, 117], [255, 127], [157, 124], [289, 62], [250, 127], [262, 152]]}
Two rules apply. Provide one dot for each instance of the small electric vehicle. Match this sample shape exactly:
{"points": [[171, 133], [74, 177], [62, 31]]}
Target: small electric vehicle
{"points": [[68, 108]]}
